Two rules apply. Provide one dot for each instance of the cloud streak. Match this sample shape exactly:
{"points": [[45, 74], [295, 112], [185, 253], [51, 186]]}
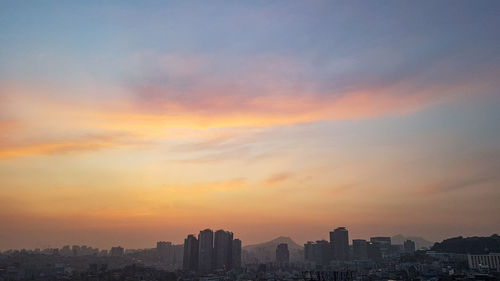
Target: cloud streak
{"points": [[196, 93], [278, 178], [277, 90], [85, 143]]}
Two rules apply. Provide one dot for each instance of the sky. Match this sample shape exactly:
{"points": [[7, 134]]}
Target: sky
{"points": [[129, 122]]}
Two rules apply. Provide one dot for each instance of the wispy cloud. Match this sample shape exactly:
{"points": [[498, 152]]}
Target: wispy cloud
{"points": [[339, 189], [206, 187], [203, 92], [276, 90], [278, 178], [459, 184], [84, 143]]}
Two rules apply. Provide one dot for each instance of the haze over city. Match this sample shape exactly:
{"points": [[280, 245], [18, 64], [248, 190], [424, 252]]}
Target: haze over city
{"points": [[127, 123]]}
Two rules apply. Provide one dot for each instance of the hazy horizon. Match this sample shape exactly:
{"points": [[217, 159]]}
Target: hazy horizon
{"points": [[126, 123], [141, 243]]}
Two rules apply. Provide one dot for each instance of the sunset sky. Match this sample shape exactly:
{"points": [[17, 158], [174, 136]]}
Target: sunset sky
{"points": [[128, 122]]}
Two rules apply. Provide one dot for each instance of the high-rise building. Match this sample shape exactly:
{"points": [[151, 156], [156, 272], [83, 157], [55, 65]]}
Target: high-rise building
{"points": [[409, 247], [318, 252], [76, 250], [236, 255], [223, 244], [373, 250], [116, 251], [178, 256], [340, 240], [282, 254], [190, 261], [206, 250], [309, 251], [384, 245], [323, 252], [360, 249], [165, 252], [381, 240], [84, 250], [332, 247], [66, 251]]}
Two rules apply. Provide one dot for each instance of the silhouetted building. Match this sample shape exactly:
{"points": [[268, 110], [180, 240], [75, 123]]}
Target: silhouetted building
{"points": [[396, 250], [323, 252], [165, 252], [373, 251], [282, 254], [76, 250], [206, 250], [190, 262], [318, 252], [409, 247], [223, 244], [236, 255], [85, 251], [309, 251], [89, 251], [178, 255], [332, 247], [340, 240], [384, 245], [360, 249], [116, 251], [66, 251]]}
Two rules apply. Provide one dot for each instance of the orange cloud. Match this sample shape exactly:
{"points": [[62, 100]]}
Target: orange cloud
{"points": [[267, 111], [84, 143], [269, 91], [49, 111]]}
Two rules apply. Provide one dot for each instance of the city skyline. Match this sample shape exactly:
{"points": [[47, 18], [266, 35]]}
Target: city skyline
{"points": [[126, 123], [208, 235], [208, 257], [380, 258]]}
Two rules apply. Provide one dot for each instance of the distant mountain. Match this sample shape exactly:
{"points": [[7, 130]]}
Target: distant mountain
{"points": [[274, 243], [419, 241], [266, 252], [469, 245]]}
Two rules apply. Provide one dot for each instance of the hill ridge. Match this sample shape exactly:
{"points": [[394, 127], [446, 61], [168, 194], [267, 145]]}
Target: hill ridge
{"points": [[274, 242]]}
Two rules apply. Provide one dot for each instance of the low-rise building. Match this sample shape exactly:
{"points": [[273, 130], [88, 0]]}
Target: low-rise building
{"points": [[490, 261]]}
